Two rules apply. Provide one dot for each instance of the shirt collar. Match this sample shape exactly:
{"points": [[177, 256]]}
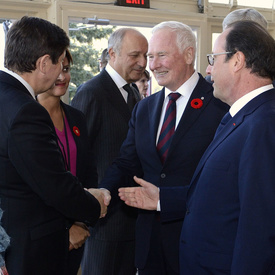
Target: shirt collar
{"points": [[241, 102], [119, 81], [23, 81], [187, 87]]}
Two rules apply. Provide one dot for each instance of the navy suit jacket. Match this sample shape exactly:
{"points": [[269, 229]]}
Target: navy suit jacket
{"points": [[139, 156], [38, 195], [229, 227]]}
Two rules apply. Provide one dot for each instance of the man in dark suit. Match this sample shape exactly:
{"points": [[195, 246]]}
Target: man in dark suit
{"points": [[38, 196], [104, 100], [172, 51], [229, 226]]}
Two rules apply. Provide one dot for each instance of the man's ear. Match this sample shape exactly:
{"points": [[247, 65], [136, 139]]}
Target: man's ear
{"points": [[42, 63], [189, 55], [239, 61], [111, 53]]}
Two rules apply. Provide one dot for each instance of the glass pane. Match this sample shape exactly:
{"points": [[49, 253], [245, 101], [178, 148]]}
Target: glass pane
{"points": [[249, 3], [219, 1], [256, 3]]}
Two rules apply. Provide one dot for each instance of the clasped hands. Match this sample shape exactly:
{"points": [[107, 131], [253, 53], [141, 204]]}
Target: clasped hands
{"points": [[103, 196]]}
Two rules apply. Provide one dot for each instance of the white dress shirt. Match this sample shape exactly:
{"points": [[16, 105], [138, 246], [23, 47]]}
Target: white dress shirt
{"points": [[185, 90], [119, 81]]}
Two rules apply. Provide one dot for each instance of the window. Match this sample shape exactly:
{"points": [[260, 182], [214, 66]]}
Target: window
{"points": [[248, 3]]}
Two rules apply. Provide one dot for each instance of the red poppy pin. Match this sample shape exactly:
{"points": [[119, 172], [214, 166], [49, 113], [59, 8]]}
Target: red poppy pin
{"points": [[197, 103], [76, 131]]}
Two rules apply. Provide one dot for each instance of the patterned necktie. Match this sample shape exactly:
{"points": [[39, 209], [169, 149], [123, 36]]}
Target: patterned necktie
{"points": [[168, 126], [224, 120], [131, 100]]}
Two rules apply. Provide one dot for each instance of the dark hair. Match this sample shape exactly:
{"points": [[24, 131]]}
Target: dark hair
{"points": [[69, 56], [257, 45], [147, 75], [30, 38]]}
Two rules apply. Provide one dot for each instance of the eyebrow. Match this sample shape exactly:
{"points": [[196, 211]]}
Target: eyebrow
{"points": [[161, 52]]}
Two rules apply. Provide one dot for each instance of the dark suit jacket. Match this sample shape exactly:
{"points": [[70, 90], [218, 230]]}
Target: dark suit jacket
{"points": [[139, 156], [85, 171], [37, 194], [107, 116], [85, 162], [230, 225]]}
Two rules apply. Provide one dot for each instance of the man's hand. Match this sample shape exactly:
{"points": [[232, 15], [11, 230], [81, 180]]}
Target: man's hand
{"points": [[144, 197], [103, 196], [3, 271], [78, 234]]}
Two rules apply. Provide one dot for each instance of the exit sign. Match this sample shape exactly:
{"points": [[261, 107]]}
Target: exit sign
{"points": [[134, 3]]}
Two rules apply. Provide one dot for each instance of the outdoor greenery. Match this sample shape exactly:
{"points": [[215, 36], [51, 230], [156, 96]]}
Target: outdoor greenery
{"points": [[86, 52]]}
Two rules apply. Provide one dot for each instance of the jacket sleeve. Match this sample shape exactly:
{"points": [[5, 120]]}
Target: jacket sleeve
{"points": [[34, 152]]}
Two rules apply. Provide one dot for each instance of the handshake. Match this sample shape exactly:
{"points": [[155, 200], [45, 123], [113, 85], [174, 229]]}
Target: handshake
{"points": [[103, 196]]}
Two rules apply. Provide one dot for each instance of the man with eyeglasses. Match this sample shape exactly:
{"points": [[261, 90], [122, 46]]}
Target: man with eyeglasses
{"points": [[229, 226], [230, 223]]}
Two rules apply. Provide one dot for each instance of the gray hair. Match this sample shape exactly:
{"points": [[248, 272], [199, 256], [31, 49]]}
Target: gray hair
{"points": [[244, 14], [116, 39], [185, 36]]}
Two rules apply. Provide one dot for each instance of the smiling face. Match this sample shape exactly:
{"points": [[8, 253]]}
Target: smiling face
{"points": [[63, 80], [170, 67], [130, 62]]}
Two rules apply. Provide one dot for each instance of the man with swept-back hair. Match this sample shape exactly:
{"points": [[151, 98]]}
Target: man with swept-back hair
{"points": [[107, 104], [244, 14], [241, 15], [192, 117], [38, 195]]}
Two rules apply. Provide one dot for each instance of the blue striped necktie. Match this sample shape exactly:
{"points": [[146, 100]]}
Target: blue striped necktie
{"points": [[168, 126]]}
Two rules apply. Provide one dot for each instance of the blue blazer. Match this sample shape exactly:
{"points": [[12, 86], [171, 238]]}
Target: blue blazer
{"points": [[229, 226], [139, 156]]}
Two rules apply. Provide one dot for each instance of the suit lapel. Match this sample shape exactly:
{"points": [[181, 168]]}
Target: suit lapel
{"points": [[231, 126], [154, 110], [155, 103], [203, 90], [114, 96]]}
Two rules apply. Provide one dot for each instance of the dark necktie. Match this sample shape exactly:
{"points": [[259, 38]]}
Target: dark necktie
{"points": [[168, 126], [224, 120], [131, 100]]}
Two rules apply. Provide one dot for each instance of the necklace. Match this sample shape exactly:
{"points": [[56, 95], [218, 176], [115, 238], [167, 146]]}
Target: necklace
{"points": [[66, 158]]}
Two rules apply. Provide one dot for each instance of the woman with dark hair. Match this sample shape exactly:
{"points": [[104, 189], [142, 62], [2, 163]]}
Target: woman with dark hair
{"points": [[143, 84], [70, 127]]}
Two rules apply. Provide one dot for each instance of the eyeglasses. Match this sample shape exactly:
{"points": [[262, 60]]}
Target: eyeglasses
{"points": [[210, 57]]}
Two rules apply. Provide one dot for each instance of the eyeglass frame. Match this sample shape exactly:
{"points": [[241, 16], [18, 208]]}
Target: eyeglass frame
{"points": [[211, 55]]}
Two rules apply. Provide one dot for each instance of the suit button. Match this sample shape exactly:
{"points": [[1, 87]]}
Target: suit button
{"points": [[162, 175], [187, 212]]}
